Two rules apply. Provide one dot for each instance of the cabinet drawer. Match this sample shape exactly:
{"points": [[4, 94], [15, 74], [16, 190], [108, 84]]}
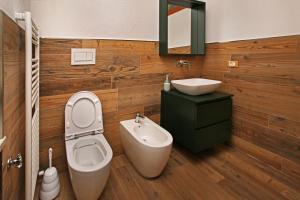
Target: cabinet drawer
{"points": [[214, 112], [210, 136]]}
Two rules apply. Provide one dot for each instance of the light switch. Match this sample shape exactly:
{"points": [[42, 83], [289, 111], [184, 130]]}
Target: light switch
{"points": [[233, 63], [83, 56]]}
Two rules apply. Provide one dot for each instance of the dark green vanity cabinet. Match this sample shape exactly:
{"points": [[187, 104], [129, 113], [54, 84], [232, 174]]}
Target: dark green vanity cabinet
{"points": [[197, 122]]}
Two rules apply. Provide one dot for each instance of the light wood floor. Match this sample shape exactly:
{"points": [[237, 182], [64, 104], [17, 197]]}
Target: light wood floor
{"points": [[223, 173]]}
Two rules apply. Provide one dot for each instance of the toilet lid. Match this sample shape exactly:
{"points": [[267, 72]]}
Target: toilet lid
{"points": [[83, 113]]}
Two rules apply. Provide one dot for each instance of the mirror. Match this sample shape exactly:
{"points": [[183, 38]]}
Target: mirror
{"points": [[179, 29], [182, 27]]}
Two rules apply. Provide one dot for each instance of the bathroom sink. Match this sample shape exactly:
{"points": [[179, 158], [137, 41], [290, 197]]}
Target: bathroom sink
{"points": [[196, 86]]}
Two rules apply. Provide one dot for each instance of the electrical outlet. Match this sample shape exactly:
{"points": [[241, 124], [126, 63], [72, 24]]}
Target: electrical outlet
{"points": [[233, 63]]}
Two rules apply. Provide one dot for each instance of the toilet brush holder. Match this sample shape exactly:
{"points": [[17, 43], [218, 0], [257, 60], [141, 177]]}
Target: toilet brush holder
{"points": [[50, 185]]}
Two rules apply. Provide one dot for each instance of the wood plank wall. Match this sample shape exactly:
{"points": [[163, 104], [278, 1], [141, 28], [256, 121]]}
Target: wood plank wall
{"points": [[13, 70], [266, 102], [127, 77]]}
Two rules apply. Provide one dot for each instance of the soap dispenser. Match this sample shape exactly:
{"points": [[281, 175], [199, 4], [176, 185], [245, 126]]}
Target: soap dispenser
{"points": [[167, 84]]}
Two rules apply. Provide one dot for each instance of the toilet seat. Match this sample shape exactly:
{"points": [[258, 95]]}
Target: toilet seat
{"points": [[95, 149], [83, 115]]}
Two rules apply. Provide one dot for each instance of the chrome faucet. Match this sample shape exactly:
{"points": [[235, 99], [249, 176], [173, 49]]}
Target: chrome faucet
{"points": [[138, 118], [183, 63]]}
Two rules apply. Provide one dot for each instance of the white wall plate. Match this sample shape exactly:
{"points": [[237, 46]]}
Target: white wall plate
{"points": [[83, 56]]}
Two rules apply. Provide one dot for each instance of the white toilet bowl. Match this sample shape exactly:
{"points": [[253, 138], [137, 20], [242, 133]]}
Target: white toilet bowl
{"points": [[147, 145], [88, 153]]}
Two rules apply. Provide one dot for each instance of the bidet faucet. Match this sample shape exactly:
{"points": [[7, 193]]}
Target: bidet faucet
{"points": [[138, 118]]}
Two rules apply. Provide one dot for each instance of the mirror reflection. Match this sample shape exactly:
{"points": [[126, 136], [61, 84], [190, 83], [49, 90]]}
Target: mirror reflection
{"points": [[179, 29]]}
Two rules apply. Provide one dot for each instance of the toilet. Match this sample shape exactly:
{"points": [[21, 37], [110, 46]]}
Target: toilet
{"points": [[88, 153]]}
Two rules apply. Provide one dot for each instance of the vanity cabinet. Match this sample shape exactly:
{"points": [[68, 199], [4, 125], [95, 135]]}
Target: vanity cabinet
{"points": [[197, 122]]}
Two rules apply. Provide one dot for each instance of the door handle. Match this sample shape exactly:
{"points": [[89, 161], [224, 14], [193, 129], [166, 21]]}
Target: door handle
{"points": [[17, 162]]}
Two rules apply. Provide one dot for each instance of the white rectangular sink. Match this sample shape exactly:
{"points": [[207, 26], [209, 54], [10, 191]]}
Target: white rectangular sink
{"points": [[196, 86]]}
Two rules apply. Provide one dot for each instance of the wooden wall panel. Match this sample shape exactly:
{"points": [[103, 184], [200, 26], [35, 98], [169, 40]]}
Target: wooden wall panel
{"points": [[266, 89], [128, 77], [13, 69], [266, 102]]}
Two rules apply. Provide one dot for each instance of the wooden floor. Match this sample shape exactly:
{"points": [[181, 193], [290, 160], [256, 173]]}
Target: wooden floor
{"points": [[223, 173]]}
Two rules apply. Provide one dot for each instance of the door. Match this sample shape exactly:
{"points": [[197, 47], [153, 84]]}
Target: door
{"points": [[12, 106]]}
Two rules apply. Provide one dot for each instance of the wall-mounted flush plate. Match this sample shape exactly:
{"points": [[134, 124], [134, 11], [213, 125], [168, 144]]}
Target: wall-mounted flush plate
{"points": [[83, 56], [233, 63]]}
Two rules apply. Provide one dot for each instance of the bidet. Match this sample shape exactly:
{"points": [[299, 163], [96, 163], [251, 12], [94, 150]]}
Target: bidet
{"points": [[147, 145]]}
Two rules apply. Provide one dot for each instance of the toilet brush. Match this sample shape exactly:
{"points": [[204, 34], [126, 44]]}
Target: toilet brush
{"points": [[50, 185]]}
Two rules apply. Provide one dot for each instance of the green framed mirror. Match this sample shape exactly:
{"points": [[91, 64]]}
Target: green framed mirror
{"points": [[181, 27]]}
